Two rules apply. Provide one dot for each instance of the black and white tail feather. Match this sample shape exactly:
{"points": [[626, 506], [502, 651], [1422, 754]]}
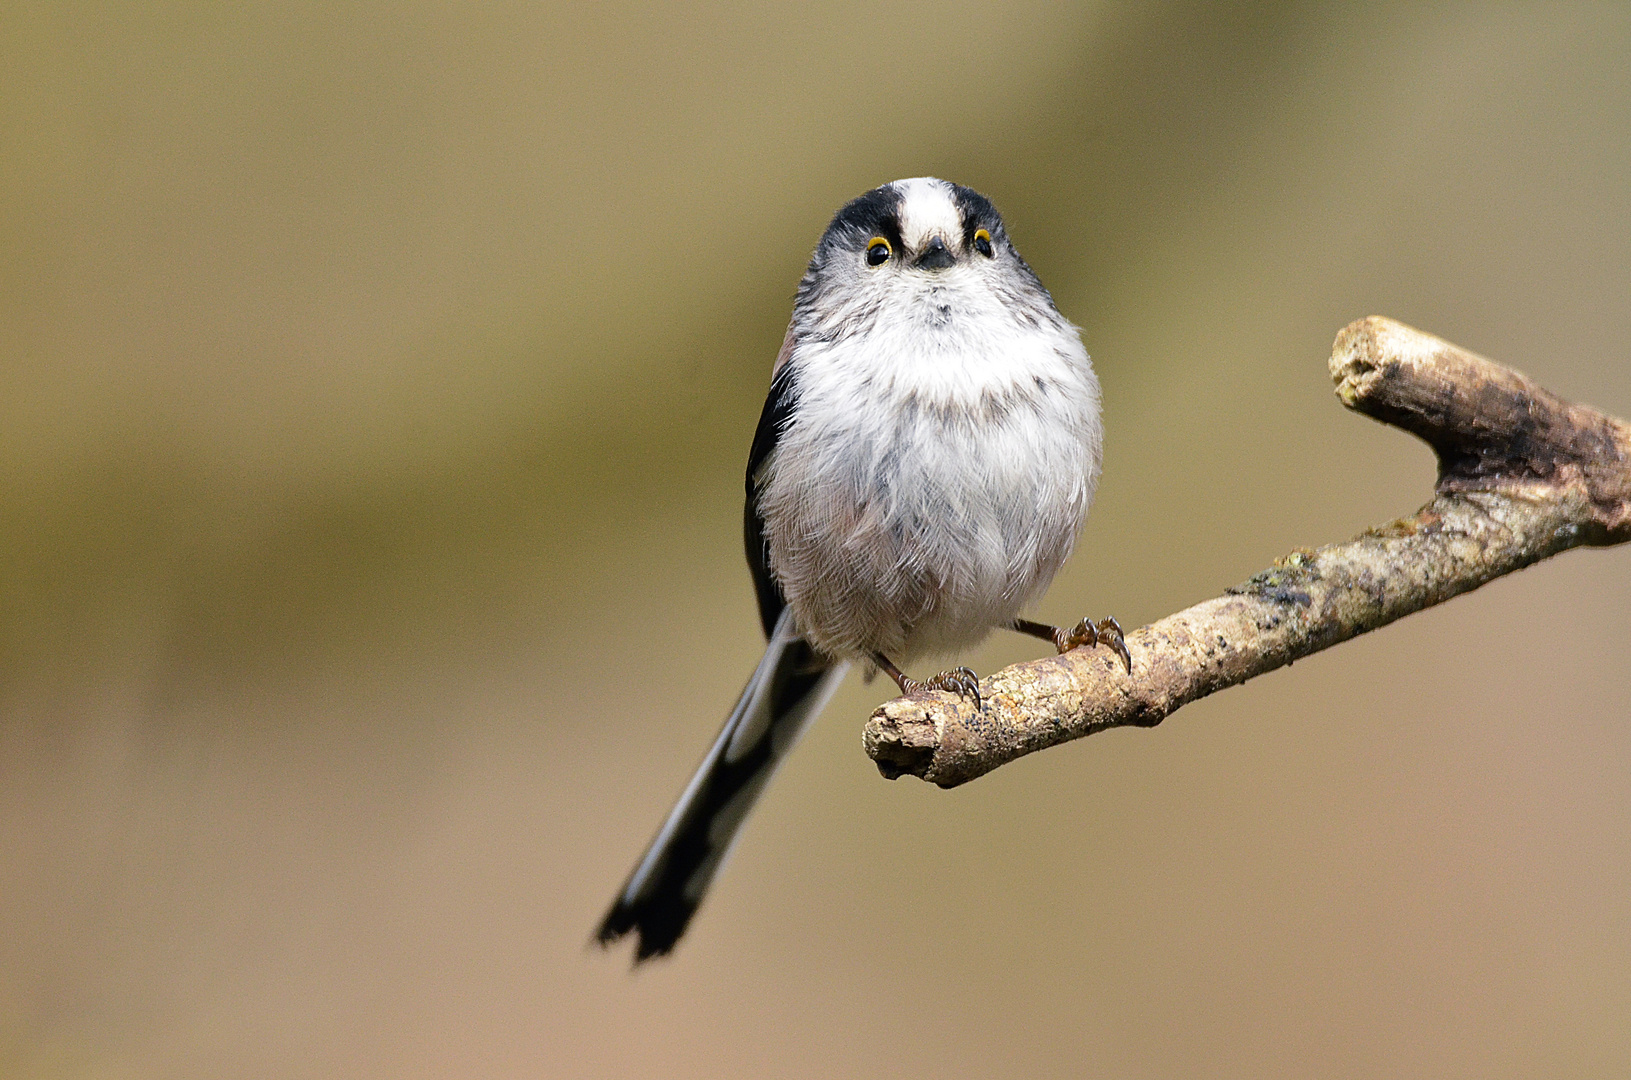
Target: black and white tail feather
{"points": [[787, 690]]}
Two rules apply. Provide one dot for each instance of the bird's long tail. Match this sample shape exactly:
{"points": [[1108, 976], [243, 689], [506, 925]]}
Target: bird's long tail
{"points": [[787, 690]]}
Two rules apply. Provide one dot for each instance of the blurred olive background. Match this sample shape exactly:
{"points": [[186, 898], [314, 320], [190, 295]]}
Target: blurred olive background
{"points": [[375, 384]]}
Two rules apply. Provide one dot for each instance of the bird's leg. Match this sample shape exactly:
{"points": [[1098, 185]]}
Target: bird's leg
{"points": [[960, 681], [1106, 632]]}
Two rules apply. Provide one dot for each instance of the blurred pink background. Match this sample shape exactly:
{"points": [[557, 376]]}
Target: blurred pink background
{"points": [[375, 385]]}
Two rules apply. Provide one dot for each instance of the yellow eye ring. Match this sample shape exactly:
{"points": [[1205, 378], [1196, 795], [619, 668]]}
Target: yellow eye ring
{"points": [[878, 251], [982, 243]]}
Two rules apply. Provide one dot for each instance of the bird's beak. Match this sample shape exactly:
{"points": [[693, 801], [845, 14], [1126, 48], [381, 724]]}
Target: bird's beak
{"points": [[936, 256]]}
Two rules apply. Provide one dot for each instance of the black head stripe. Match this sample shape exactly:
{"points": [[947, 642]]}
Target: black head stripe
{"points": [[977, 213], [877, 213]]}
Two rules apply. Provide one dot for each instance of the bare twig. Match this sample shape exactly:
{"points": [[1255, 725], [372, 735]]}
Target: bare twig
{"points": [[1523, 475]]}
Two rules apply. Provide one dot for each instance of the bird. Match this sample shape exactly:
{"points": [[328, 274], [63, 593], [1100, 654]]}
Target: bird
{"points": [[923, 465]]}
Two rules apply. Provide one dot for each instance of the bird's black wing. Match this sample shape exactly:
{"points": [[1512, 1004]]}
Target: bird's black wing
{"points": [[777, 411]]}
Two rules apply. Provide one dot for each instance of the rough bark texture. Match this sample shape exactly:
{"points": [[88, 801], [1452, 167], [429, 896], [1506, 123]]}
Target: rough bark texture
{"points": [[1523, 475]]}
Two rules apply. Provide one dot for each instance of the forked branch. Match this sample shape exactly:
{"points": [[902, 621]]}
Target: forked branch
{"points": [[1523, 475]]}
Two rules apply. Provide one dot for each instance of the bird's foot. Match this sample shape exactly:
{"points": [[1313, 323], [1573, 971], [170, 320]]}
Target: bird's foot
{"points": [[1105, 632], [959, 680]]}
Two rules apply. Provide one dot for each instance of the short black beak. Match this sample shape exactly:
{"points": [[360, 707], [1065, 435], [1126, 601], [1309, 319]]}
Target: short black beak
{"points": [[935, 256]]}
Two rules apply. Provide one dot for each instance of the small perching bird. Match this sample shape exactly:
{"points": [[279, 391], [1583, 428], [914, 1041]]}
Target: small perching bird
{"points": [[924, 462]]}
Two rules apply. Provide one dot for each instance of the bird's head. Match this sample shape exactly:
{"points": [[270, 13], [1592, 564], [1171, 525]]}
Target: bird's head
{"points": [[915, 248]]}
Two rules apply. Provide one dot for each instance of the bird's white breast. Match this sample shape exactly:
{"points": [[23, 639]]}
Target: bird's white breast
{"points": [[934, 474]]}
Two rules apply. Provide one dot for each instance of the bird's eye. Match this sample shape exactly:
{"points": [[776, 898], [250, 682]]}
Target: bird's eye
{"points": [[877, 252], [982, 243]]}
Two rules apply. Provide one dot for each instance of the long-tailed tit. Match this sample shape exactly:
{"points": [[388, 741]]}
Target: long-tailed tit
{"points": [[924, 462]]}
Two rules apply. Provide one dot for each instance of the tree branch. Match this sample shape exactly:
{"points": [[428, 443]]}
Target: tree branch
{"points": [[1523, 475]]}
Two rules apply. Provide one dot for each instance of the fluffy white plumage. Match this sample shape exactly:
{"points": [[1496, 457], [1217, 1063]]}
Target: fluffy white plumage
{"points": [[943, 452]]}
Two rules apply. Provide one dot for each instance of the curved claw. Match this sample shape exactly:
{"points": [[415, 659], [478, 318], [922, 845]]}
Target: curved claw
{"points": [[959, 680], [1106, 631], [1110, 633]]}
